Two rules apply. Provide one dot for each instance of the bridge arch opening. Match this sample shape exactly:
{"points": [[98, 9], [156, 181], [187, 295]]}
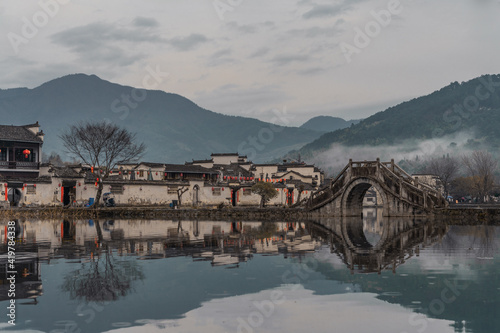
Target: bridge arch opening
{"points": [[364, 198]]}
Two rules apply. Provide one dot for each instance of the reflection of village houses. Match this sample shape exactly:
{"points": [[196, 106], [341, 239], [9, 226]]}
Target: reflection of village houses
{"points": [[218, 241], [221, 243], [225, 178]]}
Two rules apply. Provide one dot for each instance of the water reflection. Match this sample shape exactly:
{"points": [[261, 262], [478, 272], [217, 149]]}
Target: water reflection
{"points": [[166, 270], [395, 241], [101, 278]]}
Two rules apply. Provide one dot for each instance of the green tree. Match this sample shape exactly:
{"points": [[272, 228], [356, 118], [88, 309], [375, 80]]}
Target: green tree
{"points": [[266, 192]]}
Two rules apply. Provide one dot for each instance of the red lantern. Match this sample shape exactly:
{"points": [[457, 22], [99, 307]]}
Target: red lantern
{"points": [[34, 185], [138, 173], [79, 184], [59, 185], [212, 188], [26, 153], [92, 169], [157, 173], [181, 174], [222, 188]]}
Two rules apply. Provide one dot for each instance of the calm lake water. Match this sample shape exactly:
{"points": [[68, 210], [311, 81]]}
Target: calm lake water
{"points": [[372, 275]]}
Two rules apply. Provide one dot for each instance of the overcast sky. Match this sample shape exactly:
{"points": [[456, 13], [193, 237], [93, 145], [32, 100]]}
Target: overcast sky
{"points": [[247, 57]]}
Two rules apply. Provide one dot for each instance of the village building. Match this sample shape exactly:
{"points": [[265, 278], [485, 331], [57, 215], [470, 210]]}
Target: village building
{"points": [[20, 151], [224, 179]]}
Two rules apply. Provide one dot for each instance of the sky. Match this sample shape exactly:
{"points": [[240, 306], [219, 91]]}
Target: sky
{"points": [[344, 58]]}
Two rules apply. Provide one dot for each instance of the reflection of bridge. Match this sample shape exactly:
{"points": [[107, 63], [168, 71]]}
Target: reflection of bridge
{"points": [[401, 194], [400, 239]]}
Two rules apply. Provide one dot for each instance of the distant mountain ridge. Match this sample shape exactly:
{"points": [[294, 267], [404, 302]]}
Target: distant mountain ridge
{"points": [[327, 123], [472, 106], [173, 128]]}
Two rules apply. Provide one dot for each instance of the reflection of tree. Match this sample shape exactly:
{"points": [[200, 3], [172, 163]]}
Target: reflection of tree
{"points": [[102, 278], [484, 238]]}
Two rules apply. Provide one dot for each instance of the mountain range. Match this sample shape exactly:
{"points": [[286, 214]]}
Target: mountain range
{"points": [[471, 107], [173, 128]]}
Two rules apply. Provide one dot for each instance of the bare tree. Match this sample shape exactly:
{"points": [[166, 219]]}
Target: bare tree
{"points": [[180, 192], [102, 146], [446, 168], [481, 166]]}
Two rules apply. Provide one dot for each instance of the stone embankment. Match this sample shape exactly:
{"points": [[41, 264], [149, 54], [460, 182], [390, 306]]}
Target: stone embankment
{"points": [[155, 212], [465, 213]]}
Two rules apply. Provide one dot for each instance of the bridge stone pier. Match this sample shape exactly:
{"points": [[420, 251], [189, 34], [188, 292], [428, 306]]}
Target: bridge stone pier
{"points": [[401, 194]]}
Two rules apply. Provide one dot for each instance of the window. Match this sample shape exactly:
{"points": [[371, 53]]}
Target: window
{"points": [[216, 191], [117, 189], [3, 154], [30, 189], [141, 173], [172, 190], [24, 155], [247, 191]]}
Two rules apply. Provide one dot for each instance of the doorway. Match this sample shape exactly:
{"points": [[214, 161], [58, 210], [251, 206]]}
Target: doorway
{"points": [[14, 195], [68, 192]]}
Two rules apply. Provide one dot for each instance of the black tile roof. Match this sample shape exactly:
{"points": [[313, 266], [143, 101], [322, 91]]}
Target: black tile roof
{"points": [[150, 164], [187, 168], [200, 161], [225, 154], [18, 133]]}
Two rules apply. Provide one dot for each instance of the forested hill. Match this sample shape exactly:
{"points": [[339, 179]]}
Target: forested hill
{"points": [[473, 105]]}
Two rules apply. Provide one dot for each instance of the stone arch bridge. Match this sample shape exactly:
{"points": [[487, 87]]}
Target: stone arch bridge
{"points": [[401, 194]]}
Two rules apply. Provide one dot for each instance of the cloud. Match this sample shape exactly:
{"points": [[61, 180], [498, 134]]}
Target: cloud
{"points": [[318, 31], [188, 43], [293, 308], [285, 59], [323, 11], [260, 52], [221, 57], [312, 71], [104, 42], [245, 29], [141, 21]]}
